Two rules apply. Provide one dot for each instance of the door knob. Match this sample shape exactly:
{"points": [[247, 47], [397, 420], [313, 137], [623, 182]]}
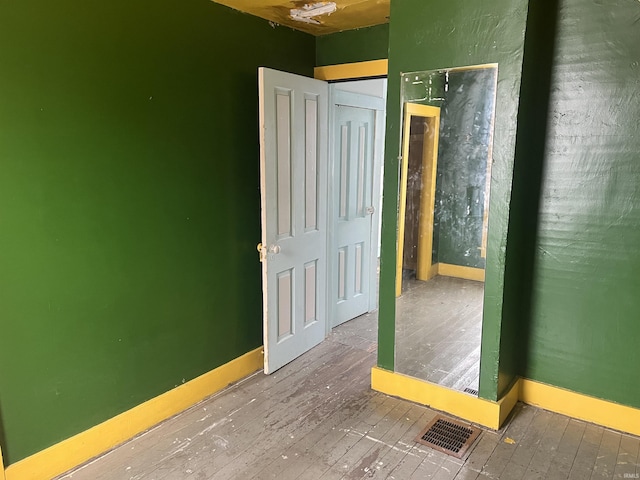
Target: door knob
{"points": [[370, 210], [262, 250], [275, 249]]}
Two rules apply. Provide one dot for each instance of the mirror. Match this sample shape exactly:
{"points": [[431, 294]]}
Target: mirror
{"points": [[445, 174]]}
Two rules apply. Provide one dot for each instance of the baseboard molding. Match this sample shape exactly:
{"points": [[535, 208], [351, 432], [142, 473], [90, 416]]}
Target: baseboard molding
{"points": [[458, 271], [372, 68], [2, 477], [80, 448], [493, 414], [91, 443], [583, 407], [473, 409]]}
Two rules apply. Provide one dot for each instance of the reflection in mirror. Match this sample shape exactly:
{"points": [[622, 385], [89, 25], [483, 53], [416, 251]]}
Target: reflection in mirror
{"points": [[447, 137]]}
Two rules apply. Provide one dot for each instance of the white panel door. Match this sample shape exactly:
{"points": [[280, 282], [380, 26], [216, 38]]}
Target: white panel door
{"points": [[293, 176], [356, 157]]}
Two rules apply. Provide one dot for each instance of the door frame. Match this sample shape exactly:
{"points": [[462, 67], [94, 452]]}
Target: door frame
{"points": [[357, 71], [425, 267], [378, 106], [352, 71]]}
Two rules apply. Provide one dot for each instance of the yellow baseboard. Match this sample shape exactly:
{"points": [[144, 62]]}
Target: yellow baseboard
{"points": [[372, 68], [493, 414], [473, 409], [580, 406], [2, 477], [468, 273], [76, 450]]}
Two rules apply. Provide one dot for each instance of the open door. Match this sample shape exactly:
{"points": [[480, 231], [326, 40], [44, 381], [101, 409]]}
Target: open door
{"points": [[420, 136], [293, 185]]}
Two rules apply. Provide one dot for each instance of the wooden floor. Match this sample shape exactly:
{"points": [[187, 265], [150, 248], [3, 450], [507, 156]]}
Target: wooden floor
{"points": [[317, 418], [438, 331]]}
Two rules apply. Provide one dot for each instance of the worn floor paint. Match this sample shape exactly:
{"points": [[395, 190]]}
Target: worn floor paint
{"points": [[317, 418]]}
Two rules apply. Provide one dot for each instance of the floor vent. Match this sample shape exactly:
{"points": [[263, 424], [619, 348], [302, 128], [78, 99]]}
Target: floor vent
{"points": [[448, 436], [471, 391]]}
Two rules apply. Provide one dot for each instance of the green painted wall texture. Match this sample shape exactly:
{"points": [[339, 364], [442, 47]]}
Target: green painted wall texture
{"points": [[443, 34], [584, 331], [466, 121], [466, 99], [129, 203], [359, 45], [561, 300]]}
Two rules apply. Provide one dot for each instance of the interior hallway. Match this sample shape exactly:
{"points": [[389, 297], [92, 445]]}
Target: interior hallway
{"points": [[317, 418]]}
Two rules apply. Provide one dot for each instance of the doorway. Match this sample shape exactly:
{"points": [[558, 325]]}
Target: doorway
{"points": [[308, 280], [356, 137], [417, 192]]}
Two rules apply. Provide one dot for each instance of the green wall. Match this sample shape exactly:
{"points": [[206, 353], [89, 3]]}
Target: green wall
{"points": [[129, 203], [442, 34], [359, 45], [466, 121], [585, 323], [466, 99], [561, 300]]}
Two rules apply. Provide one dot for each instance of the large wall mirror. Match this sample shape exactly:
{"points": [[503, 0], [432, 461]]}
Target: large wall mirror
{"points": [[445, 174]]}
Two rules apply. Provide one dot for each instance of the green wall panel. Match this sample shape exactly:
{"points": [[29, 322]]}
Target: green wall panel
{"points": [[466, 118], [359, 45], [442, 34], [129, 203], [531, 138], [585, 326]]}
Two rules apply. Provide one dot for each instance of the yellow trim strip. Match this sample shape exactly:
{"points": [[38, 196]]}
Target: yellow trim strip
{"points": [[76, 450], [508, 401], [430, 161], [580, 406], [428, 196], [372, 68], [2, 477], [473, 409], [458, 271], [493, 414]]}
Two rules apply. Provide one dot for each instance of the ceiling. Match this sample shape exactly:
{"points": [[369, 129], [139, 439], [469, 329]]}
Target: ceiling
{"points": [[350, 14]]}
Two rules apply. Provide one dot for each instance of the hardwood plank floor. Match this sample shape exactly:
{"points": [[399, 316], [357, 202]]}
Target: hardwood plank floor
{"points": [[317, 418], [438, 331]]}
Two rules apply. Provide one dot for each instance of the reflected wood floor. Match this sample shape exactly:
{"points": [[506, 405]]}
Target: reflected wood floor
{"points": [[438, 331], [317, 418]]}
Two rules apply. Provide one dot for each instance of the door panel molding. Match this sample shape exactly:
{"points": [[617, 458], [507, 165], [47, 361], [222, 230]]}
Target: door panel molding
{"points": [[293, 114], [355, 173]]}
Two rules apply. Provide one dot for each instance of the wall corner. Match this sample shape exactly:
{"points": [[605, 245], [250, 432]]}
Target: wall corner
{"points": [[2, 476]]}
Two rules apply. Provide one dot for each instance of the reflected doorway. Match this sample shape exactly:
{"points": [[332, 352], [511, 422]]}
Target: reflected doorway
{"points": [[417, 193], [448, 118]]}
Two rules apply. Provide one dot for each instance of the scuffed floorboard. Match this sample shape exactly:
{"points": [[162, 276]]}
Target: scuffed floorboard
{"points": [[317, 418]]}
